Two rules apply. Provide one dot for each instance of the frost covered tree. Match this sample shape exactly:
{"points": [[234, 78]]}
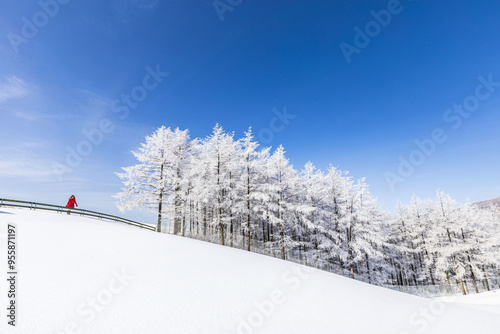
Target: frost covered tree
{"points": [[312, 234], [232, 191], [280, 196], [364, 237], [451, 243], [219, 155], [338, 186], [249, 185], [158, 176]]}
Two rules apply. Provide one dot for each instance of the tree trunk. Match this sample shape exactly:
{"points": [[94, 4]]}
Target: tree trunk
{"points": [[449, 282], [368, 269], [473, 277], [219, 195], [282, 241], [204, 221], [221, 227], [248, 205], [263, 231], [158, 226], [183, 226], [243, 238], [231, 229], [160, 202], [269, 233], [486, 279], [432, 277], [462, 285], [177, 205]]}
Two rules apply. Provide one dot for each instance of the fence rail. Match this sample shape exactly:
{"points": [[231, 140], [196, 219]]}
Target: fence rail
{"points": [[81, 212]]}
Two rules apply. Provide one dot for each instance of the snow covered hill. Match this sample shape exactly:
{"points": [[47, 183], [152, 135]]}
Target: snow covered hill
{"points": [[81, 275]]}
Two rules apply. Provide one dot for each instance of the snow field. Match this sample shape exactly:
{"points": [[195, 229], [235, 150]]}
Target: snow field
{"points": [[81, 275]]}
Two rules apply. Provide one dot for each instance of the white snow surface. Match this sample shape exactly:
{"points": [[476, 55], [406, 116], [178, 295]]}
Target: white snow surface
{"points": [[68, 268], [486, 301]]}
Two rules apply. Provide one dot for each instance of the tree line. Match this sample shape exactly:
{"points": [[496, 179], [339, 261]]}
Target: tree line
{"points": [[233, 192]]}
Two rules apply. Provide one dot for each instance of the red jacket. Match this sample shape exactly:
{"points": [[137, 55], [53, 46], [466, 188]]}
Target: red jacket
{"points": [[71, 203]]}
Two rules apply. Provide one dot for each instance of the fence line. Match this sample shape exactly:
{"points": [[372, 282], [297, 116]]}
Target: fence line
{"points": [[81, 212]]}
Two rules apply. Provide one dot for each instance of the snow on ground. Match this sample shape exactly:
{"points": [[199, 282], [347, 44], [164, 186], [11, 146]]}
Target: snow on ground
{"points": [[486, 301], [81, 275]]}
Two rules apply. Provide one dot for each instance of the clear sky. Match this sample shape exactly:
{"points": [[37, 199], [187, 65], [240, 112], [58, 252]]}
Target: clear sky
{"points": [[363, 80]]}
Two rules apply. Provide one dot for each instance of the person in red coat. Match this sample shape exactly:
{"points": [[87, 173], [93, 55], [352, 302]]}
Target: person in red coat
{"points": [[71, 203]]}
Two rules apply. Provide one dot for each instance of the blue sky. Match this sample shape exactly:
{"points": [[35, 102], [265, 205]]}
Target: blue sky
{"points": [[361, 115]]}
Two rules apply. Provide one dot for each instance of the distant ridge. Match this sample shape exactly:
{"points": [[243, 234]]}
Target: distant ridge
{"points": [[484, 204]]}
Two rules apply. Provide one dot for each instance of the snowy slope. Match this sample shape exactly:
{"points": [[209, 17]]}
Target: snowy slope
{"points": [[80, 275], [486, 301]]}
